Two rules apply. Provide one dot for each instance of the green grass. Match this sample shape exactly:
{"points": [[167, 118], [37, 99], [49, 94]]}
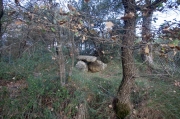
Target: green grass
{"points": [[166, 98], [41, 99], [98, 89], [44, 97]]}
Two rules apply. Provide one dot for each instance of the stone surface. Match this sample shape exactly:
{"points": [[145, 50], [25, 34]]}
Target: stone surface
{"points": [[82, 66], [96, 66], [103, 65], [87, 58]]}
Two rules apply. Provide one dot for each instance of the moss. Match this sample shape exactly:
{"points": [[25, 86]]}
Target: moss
{"points": [[122, 110], [69, 79]]}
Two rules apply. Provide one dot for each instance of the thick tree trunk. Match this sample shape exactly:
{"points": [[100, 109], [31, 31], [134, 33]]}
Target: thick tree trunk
{"points": [[122, 105]]}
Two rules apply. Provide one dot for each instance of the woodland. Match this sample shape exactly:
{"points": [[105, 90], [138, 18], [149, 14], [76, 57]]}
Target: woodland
{"points": [[41, 42]]}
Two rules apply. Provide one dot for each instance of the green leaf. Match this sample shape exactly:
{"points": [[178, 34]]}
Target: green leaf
{"points": [[81, 22], [175, 42], [137, 41], [53, 29], [160, 5], [77, 34], [43, 30]]}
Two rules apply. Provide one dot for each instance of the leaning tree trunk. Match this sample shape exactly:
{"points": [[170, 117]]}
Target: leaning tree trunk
{"points": [[122, 104]]}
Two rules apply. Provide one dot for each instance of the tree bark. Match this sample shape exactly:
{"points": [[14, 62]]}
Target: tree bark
{"points": [[1, 15], [122, 104], [147, 12], [146, 35], [71, 52], [61, 60]]}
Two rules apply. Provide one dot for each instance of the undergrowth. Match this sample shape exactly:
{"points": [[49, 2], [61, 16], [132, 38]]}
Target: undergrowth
{"points": [[165, 97], [159, 92], [98, 90], [41, 95], [29, 88]]}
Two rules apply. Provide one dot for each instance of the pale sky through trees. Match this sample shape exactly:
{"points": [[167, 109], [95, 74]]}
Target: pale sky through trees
{"points": [[168, 16]]}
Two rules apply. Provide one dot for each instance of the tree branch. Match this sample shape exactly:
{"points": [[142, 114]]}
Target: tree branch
{"points": [[152, 6]]}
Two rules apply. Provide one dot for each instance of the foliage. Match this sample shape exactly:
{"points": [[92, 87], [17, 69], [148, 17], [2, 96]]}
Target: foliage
{"points": [[31, 33], [97, 90], [45, 97], [41, 99], [165, 97], [31, 89]]}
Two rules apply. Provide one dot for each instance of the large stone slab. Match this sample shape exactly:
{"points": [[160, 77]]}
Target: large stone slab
{"points": [[87, 58]]}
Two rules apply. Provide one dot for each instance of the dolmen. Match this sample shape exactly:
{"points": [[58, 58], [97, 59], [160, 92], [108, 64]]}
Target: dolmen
{"points": [[90, 63]]}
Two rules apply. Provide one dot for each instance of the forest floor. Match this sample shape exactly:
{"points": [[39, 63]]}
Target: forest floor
{"points": [[153, 97]]}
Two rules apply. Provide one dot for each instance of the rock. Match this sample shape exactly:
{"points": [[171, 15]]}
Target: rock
{"points": [[87, 58], [96, 66], [82, 66], [103, 65]]}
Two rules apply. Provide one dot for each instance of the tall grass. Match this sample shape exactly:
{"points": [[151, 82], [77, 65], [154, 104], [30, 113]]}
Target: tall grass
{"points": [[166, 97], [40, 95], [159, 89], [44, 97], [98, 89]]}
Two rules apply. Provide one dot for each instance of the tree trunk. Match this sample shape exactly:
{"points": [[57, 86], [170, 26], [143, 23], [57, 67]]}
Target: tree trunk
{"points": [[148, 10], [71, 52], [146, 35], [1, 15], [60, 45], [61, 60], [122, 104], [22, 45]]}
